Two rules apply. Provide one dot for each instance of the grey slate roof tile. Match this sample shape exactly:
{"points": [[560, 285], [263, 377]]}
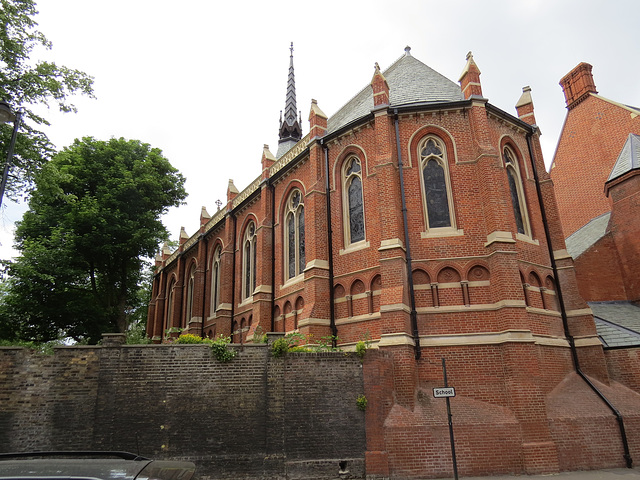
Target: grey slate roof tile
{"points": [[617, 323], [410, 81], [581, 240], [628, 159]]}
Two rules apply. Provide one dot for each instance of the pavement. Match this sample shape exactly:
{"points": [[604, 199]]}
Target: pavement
{"points": [[609, 474]]}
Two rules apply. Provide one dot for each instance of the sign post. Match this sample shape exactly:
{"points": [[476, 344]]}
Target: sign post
{"points": [[446, 393]]}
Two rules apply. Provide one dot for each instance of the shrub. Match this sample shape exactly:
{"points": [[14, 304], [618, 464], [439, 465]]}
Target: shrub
{"points": [[221, 350], [191, 338], [361, 402], [361, 348]]}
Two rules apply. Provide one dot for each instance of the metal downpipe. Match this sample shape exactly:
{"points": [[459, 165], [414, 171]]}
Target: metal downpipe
{"points": [[273, 254], [412, 296], [332, 313], [563, 311]]}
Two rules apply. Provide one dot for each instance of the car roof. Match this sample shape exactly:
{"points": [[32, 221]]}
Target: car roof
{"points": [[90, 465]]}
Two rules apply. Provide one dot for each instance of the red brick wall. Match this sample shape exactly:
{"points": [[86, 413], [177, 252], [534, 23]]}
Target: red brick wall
{"points": [[598, 272], [593, 135]]}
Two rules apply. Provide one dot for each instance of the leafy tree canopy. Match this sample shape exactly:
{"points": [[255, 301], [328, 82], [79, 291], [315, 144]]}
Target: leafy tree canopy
{"points": [[93, 217], [24, 84]]}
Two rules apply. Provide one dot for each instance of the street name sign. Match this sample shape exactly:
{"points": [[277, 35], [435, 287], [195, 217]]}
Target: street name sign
{"points": [[444, 392]]}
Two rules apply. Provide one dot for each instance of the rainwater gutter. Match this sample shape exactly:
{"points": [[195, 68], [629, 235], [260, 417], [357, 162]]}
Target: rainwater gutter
{"points": [[332, 313], [412, 296], [563, 311]]}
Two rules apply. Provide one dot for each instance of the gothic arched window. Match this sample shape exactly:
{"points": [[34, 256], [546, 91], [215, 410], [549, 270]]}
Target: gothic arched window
{"points": [[190, 293], [249, 261], [170, 298], [215, 280], [353, 201], [435, 183], [516, 191], [294, 235]]}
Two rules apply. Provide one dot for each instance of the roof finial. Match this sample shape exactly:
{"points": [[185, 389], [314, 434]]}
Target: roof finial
{"points": [[291, 49], [407, 50]]}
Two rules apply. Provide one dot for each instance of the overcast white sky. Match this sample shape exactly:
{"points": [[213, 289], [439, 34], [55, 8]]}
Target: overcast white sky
{"points": [[205, 81]]}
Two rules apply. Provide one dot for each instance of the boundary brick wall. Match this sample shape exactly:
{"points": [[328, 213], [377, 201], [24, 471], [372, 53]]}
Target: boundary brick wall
{"points": [[256, 416]]}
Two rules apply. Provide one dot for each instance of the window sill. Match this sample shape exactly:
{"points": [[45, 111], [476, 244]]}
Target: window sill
{"points": [[526, 239], [354, 247], [292, 281], [442, 232]]}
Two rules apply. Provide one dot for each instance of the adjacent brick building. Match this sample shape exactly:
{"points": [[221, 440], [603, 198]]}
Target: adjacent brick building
{"points": [[420, 217]]}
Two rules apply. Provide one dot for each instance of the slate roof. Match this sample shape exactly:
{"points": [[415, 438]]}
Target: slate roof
{"points": [[410, 81], [617, 323], [629, 158], [581, 240]]}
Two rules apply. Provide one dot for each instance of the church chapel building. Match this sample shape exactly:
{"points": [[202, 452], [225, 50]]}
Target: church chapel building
{"points": [[419, 217]]}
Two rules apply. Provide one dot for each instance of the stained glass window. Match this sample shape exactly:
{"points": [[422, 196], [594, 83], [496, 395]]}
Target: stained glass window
{"points": [[294, 243], [435, 183], [354, 201], [215, 281], [515, 189], [249, 261]]}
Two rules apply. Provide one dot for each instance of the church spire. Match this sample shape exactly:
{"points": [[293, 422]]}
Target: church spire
{"points": [[290, 129]]}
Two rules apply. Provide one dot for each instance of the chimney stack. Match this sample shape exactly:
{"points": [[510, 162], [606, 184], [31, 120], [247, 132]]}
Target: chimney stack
{"points": [[578, 84]]}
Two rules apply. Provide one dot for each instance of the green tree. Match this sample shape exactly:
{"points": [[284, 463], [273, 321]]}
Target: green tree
{"points": [[93, 217], [25, 83]]}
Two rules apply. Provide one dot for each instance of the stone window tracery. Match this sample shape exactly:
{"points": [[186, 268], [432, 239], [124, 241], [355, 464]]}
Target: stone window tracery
{"points": [[437, 196], [353, 201], [170, 298], [516, 191], [215, 280], [190, 293], [294, 236], [249, 261]]}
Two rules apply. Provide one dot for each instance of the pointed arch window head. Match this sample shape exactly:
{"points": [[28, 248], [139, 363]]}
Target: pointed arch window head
{"points": [[215, 279], [436, 184], [249, 261], [170, 299], [190, 293], [353, 201], [516, 191], [294, 235]]}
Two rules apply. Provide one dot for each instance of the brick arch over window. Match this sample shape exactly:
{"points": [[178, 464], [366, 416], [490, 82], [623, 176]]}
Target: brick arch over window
{"points": [[431, 148], [293, 231], [190, 282], [170, 304], [512, 160], [216, 277], [248, 247], [348, 151]]}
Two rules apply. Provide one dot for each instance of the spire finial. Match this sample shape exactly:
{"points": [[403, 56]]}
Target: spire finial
{"points": [[290, 131]]}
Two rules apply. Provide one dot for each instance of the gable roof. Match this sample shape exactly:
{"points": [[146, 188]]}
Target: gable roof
{"points": [[586, 236], [410, 81], [629, 158], [617, 323]]}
